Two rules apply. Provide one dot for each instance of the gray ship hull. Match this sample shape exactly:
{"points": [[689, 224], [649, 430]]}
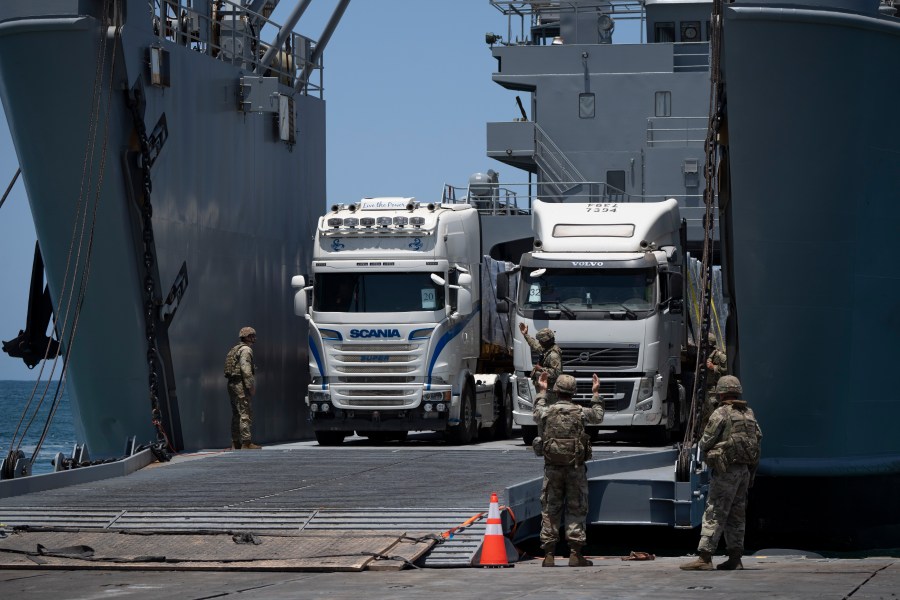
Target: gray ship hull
{"points": [[230, 200], [808, 231]]}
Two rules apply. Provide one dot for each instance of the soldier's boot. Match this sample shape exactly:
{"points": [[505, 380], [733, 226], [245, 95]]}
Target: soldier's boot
{"points": [[703, 562], [549, 559], [733, 562], [250, 446], [577, 559]]}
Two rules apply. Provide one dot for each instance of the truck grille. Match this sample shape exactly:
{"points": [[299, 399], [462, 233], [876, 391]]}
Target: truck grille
{"points": [[610, 356], [619, 390], [376, 402], [373, 369], [376, 347], [376, 379], [375, 375], [375, 359]]}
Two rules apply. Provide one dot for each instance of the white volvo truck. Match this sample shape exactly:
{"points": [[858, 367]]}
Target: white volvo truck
{"points": [[395, 324], [608, 279]]}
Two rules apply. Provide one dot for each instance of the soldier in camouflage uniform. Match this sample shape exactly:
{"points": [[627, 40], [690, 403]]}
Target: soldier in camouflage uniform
{"points": [[731, 443], [551, 358], [565, 448], [716, 366], [241, 374]]}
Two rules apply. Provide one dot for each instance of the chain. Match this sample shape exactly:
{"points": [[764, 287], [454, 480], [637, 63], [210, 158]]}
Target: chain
{"points": [[150, 303], [716, 115]]}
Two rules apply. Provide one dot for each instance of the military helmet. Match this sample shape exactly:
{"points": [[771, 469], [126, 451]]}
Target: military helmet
{"points": [[711, 338], [565, 384], [545, 335], [246, 332], [729, 384]]}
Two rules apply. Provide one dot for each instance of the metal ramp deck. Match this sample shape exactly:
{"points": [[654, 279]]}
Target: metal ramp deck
{"points": [[455, 551], [631, 489]]}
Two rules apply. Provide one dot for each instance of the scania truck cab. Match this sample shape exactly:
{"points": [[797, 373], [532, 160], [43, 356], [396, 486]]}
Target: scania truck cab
{"points": [[395, 324], [608, 279]]}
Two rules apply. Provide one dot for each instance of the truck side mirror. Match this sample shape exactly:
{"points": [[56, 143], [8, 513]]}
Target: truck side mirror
{"points": [[676, 286], [676, 306], [298, 282], [464, 300], [502, 286], [502, 307]]}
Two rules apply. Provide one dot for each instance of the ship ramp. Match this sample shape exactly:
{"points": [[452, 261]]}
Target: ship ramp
{"points": [[423, 493]]}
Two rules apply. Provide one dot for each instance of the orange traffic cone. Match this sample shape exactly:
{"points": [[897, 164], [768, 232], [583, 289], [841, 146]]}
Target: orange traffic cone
{"points": [[496, 550]]}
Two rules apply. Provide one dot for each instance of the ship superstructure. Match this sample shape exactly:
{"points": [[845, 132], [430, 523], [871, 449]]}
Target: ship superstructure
{"points": [[630, 115], [175, 165]]}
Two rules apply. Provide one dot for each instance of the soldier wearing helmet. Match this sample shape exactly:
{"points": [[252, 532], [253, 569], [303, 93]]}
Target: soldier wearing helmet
{"points": [[731, 441], [240, 371], [565, 447], [551, 356], [716, 367]]}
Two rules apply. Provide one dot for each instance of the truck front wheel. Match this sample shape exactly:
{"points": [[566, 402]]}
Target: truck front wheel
{"points": [[330, 438], [529, 432], [504, 425], [463, 433]]}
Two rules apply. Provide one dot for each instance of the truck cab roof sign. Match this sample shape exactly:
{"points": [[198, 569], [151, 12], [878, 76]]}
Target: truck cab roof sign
{"points": [[384, 203]]}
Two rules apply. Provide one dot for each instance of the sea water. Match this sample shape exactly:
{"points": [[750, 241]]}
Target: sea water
{"points": [[14, 398]]}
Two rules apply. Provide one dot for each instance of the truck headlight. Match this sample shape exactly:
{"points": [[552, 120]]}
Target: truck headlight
{"points": [[645, 394], [319, 397], [523, 389], [436, 396]]}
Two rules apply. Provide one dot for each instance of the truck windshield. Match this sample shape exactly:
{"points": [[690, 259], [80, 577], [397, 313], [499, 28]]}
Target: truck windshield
{"points": [[376, 292], [579, 290]]}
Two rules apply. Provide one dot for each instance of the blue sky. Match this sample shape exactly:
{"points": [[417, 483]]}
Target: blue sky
{"points": [[408, 90]]}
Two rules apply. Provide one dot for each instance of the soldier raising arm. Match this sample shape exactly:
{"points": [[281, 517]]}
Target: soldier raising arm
{"points": [[551, 355], [565, 447]]}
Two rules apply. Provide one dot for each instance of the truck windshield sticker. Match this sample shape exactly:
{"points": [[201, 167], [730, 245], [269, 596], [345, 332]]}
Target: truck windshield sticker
{"points": [[428, 299], [534, 292], [416, 244]]}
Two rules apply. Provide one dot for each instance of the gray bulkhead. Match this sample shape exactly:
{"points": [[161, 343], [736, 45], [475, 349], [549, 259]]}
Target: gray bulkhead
{"points": [[631, 115]]}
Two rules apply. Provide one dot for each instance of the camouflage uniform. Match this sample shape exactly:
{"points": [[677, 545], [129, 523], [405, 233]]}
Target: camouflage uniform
{"points": [[241, 385], [551, 361], [565, 486], [720, 367], [730, 426]]}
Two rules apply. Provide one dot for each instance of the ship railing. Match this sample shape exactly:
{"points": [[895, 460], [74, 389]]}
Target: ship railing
{"points": [[233, 33], [518, 198], [676, 131], [536, 22]]}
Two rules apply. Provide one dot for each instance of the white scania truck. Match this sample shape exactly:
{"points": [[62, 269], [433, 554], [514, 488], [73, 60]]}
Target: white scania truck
{"points": [[608, 279], [395, 324]]}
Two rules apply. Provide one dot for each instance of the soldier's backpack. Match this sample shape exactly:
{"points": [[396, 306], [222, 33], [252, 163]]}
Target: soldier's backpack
{"points": [[563, 434], [741, 438], [232, 360]]}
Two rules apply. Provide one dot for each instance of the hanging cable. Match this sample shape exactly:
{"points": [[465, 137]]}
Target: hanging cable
{"points": [[10, 186]]}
